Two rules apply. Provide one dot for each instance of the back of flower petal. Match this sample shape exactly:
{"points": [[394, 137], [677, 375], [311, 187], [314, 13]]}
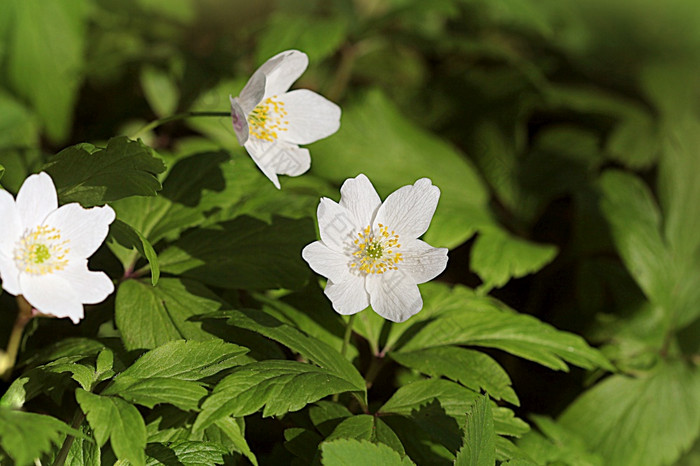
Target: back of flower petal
{"points": [[282, 70]]}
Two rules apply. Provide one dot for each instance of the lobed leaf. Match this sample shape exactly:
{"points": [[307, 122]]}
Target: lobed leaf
{"points": [[479, 447], [350, 452]]}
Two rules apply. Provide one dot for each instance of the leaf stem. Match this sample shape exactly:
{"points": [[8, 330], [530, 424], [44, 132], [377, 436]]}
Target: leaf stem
{"points": [[78, 419], [177, 116], [9, 357]]}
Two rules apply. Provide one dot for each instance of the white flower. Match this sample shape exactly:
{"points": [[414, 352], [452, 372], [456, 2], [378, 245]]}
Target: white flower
{"points": [[370, 252], [44, 249], [271, 122]]}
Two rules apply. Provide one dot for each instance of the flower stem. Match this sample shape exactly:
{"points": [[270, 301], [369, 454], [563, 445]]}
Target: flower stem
{"points": [[8, 359], [177, 116]]}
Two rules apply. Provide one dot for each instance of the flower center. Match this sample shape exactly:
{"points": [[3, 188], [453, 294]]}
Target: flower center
{"points": [[267, 119], [41, 251], [375, 251]]}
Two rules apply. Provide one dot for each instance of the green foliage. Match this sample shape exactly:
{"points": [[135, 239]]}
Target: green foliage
{"points": [[360, 452], [479, 448]]}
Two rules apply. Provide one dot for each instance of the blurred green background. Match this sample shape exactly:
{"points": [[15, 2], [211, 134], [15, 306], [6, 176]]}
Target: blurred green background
{"points": [[514, 108]]}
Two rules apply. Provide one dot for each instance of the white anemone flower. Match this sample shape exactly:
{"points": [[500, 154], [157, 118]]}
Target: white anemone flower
{"points": [[271, 122], [44, 249], [370, 251]]}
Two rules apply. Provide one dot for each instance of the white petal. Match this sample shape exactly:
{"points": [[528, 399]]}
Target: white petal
{"points": [[86, 229], [348, 296], [282, 70], [409, 209], [360, 198], [10, 226], [336, 225], [51, 294], [311, 116], [253, 92], [394, 295], [9, 274], [90, 287], [422, 261], [36, 199], [324, 261], [239, 120], [278, 158]]}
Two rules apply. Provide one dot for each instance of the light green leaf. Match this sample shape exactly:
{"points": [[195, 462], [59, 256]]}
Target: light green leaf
{"points": [[46, 44], [184, 360], [151, 391], [279, 386], [233, 430], [149, 316], [18, 126], [185, 453], [243, 253], [479, 447], [396, 152], [497, 257], [486, 322], [119, 422], [556, 444], [350, 452], [471, 368], [124, 168], [650, 420], [130, 238], [160, 90], [367, 427], [26, 436], [311, 348]]}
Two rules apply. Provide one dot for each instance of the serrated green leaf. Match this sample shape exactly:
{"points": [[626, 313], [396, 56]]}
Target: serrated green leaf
{"points": [[124, 168], [26, 436], [650, 420], [397, 152], [234, 432], [119, 422], [556, 444], [471, 368], [486, 322], [479, 447], [46, 43], [130, 238], [497, 257], [279, 386], [349, 452], [311, 348], [150, 316], [185, 453], [243, 253], [367, 427], [84, 451], [151, 391], [185, 360], [68, 347], [326, 415]]}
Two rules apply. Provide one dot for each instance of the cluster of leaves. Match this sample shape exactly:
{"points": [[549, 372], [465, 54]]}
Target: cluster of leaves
{"points": [[219, 347]]}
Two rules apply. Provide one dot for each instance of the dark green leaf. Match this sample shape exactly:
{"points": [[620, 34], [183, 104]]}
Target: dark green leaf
{"points": [[130, 238], [84, 451], [124, 168], [556, 444], [349, 452], [479, 447], [119, 422], [151, 391], [367, 427], [243, 253], [279, 386], [184, 453], [233, 430]]}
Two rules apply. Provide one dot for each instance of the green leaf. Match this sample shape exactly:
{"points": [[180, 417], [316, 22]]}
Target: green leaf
{"points": [[160, 90], [279, 386], [185, 453], [635, 221], [349, 452], [367, 427], [311, 348], [486, 322], [129, 237], [556, 444], [479, 447], [243, 253], [119, 422], [26, 436], [184, 360], [650, 420], [471, 368], [84, 451], [234, 432], [149, 392], [124, 168], [46, 43], [149, 316], [397, 152], [497, 257]]}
